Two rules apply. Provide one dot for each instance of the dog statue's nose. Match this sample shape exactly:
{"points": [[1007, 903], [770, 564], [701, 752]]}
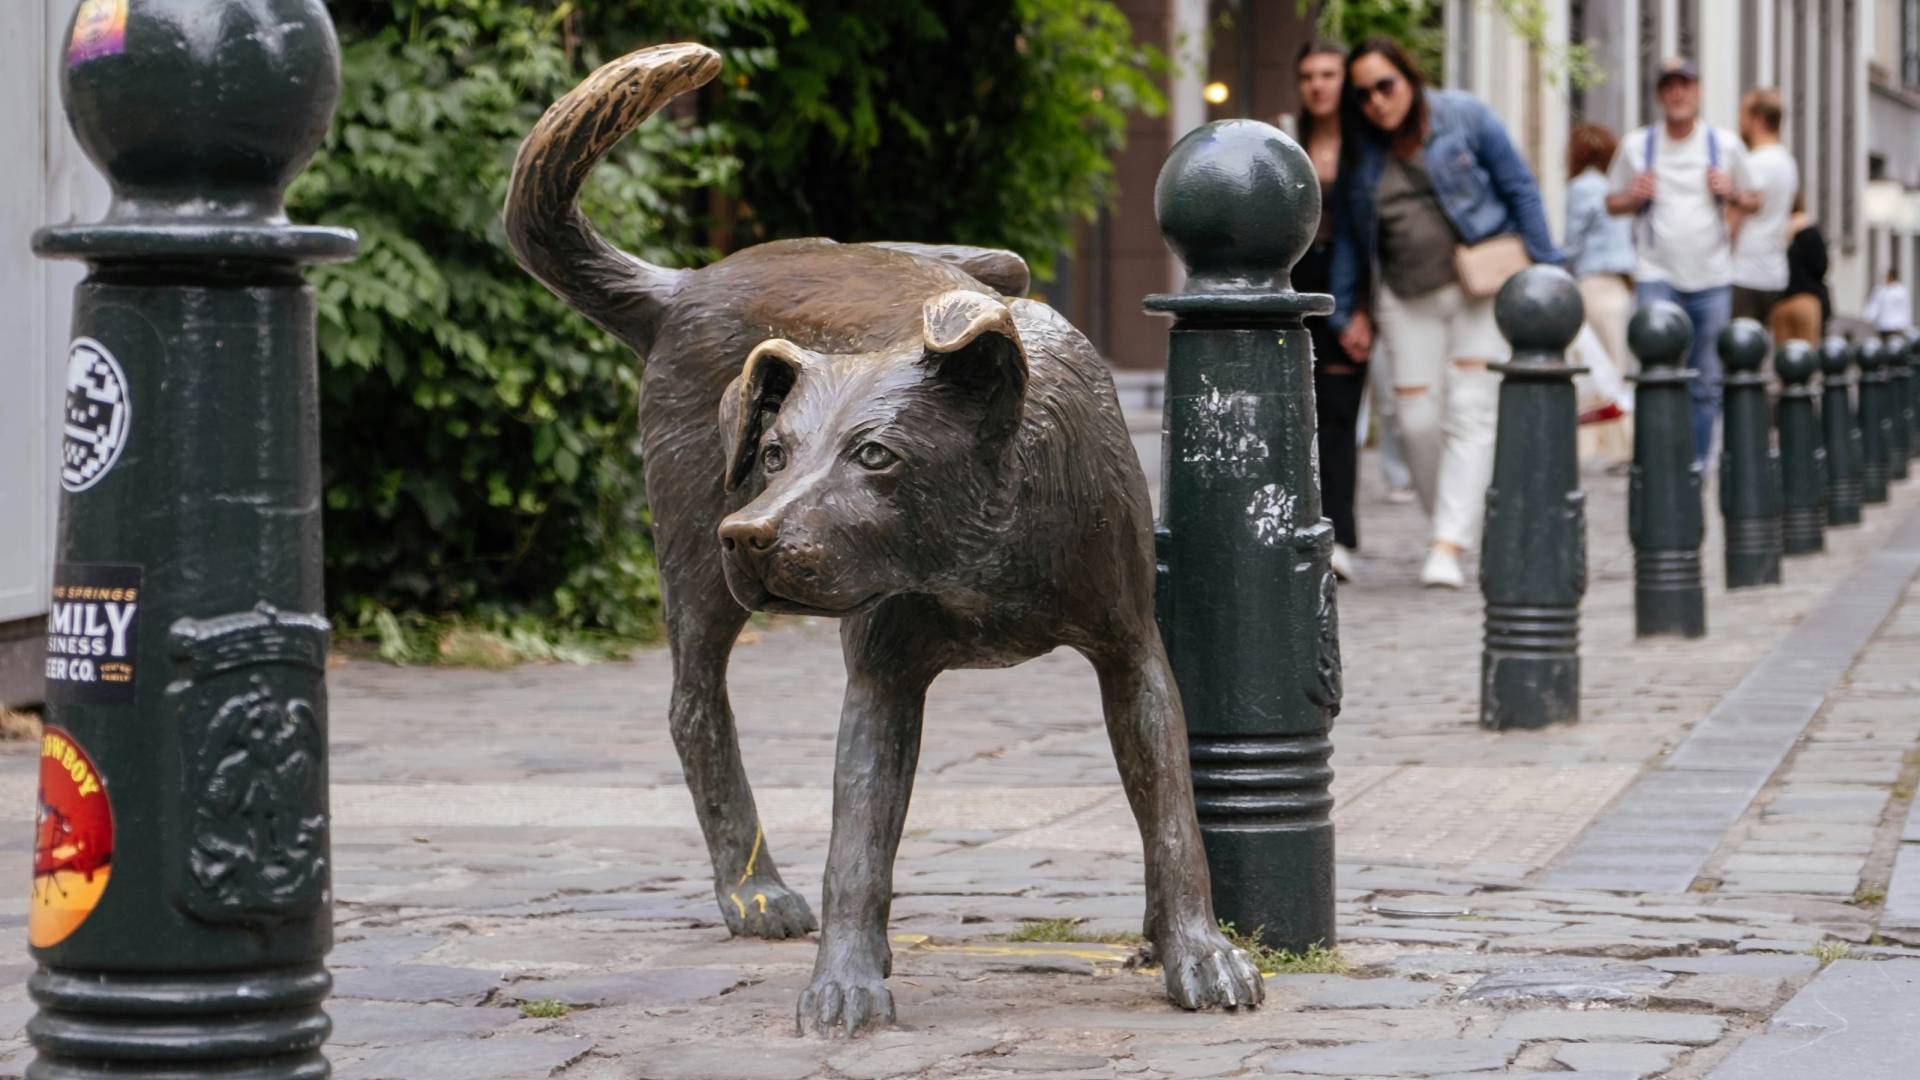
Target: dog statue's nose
{"points": [[754, 534]]}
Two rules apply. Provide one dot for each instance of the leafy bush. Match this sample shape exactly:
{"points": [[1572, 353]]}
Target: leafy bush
{"points": [[478, 436]]}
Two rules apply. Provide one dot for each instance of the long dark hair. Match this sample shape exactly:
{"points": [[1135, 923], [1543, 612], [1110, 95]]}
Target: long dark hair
{"points": [[1320, 47], [1413, 129]]}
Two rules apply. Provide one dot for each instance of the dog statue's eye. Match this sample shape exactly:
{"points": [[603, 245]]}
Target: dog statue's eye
{"points": [[773, 457], [874, 456]]}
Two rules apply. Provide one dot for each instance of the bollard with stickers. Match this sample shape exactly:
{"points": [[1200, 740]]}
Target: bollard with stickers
{"points": [[181, 895]]}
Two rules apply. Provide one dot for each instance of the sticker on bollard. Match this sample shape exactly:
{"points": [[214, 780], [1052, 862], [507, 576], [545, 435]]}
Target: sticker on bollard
{"points": [[93, 633], [98, 415], [72, 840], [99, 29]]}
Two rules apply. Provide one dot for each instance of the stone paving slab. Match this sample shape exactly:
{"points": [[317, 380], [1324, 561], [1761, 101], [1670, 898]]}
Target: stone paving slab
{"points": [[1856, 1020]]}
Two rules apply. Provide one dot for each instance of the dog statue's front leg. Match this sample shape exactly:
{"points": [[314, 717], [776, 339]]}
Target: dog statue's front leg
{"points": [[1149, 739], [872, 781]]}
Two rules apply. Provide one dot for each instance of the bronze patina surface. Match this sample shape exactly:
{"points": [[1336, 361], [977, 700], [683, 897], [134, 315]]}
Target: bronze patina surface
{"points": [[889, 434]]}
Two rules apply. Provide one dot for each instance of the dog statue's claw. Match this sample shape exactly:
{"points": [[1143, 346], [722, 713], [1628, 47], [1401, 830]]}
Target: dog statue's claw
{"points": [[844, 1007], [765, 908], [1208, 973]]}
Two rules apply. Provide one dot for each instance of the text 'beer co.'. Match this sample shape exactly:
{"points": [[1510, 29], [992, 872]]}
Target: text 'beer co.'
{"points": [[93, 633]]}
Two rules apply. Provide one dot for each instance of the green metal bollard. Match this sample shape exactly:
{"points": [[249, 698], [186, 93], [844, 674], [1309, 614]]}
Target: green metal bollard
{"points": [[1749, 467], [1899, 404], [1841, 434], [1912, 350], [1875, 430], [182, 899], [1246, 594], [1664, 517], [1803, 457], [1533, 564]]}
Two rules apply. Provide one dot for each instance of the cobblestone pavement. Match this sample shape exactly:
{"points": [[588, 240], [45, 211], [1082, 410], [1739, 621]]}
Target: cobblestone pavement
{"points": [[523, 838]]}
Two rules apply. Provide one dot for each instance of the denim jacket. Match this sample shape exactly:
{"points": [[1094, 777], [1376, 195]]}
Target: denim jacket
{"points": [[1479, 179], [1595, 242]]}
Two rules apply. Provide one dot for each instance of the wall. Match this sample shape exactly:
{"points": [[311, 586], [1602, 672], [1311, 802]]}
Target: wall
{"points": [[43, 179]]}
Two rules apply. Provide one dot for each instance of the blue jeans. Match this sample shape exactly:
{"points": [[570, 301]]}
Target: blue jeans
{"points": [[1710, 310]]}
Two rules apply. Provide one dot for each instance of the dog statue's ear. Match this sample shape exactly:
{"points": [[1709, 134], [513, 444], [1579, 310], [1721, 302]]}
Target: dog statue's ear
{"points": [[973, 345], [753, 397]]}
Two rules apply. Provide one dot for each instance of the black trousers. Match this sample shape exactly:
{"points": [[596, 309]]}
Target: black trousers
{"points": [[1336, 403]]}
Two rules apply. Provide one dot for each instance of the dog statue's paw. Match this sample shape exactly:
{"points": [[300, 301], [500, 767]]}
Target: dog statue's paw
{"points": [[765, 908], [837, 1004], [1205, 970]]}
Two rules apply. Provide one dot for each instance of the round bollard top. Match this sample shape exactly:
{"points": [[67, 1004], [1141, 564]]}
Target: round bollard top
{"points": [[1539, 310], [1743, 346], [1870, 355], [1795, 362], [200, 109], [1660, 334], [1238, 202], [1834, 356]]}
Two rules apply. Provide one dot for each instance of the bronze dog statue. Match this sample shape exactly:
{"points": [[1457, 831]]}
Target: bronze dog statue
{"points": [[887, 434]]}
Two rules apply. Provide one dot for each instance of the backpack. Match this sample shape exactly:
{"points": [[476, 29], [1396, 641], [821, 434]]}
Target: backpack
{"points": [[1645, 213]]}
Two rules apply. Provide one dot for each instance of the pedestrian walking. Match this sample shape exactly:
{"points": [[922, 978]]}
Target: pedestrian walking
{"points": [[1890, 309], [1435, 209], [1339, 380], [1804, 305], [1599, 252], [1677, 180], [1760, 238]]}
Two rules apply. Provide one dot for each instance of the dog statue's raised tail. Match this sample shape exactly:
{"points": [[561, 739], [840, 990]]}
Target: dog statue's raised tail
{"points": [[553, 240]]}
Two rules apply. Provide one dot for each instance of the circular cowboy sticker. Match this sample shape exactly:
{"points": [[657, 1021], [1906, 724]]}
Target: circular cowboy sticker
{"points": [[98, 414], [72, 841]]}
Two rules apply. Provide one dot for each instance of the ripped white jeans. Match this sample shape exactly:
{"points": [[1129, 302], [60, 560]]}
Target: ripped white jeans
{"points": [[1448, 401]]}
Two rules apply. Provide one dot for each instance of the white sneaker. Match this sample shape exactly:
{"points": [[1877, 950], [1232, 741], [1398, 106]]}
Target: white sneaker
{"points": [[1442, 571], [1400, 495], [1342, 562]]}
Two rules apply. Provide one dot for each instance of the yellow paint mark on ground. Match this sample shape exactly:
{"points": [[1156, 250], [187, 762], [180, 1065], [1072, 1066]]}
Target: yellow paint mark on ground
{"points": [[1082, 951], [751, 856]]}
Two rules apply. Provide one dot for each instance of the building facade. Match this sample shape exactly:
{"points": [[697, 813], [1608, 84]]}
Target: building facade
{"points": [[44, 179], [1848, 72]]}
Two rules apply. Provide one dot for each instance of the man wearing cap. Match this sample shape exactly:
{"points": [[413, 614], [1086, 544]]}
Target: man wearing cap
{"points": [[1681, 180]]}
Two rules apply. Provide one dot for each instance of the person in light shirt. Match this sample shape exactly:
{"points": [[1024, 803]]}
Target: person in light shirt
{"points": [[1890, 309], [1678, 180], [1760, 239]]}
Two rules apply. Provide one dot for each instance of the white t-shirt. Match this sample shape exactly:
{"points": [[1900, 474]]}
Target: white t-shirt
{"points": [[1681, 238], [1889, 309], [1760, 248]]}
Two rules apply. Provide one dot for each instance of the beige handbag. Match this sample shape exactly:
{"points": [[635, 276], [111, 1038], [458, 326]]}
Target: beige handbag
{"points": [[1483, 267]]}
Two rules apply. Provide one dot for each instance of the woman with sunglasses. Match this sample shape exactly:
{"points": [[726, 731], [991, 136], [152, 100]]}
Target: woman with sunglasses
{"points": [[1425, 172], [1338, 379]]}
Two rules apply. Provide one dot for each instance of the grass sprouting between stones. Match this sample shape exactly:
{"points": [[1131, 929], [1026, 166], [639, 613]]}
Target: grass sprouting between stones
{"points": [[1068, 930], [1316, 960], [545, 1009], [1828, 951], [1867, 895]]}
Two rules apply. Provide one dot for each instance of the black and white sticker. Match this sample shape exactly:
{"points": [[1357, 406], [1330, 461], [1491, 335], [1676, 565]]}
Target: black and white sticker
{"points": [[93, 633], [98, 415]]}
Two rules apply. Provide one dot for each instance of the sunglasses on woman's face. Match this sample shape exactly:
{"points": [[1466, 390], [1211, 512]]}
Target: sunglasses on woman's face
{"points": [[1383, 88]]}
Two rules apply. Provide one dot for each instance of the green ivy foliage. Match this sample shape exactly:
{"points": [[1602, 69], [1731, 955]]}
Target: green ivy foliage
{"points": [[478, 436], [986, 122]]}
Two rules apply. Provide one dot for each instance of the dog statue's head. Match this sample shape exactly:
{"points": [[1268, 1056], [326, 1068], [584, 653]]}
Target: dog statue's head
{"points": [[874, 472]]}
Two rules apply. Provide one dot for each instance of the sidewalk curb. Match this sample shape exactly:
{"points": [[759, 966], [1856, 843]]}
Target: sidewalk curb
{"points": [[1667, 825]]}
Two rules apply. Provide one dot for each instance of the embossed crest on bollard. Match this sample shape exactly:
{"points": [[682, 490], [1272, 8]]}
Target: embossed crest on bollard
{"points": [[186, 670], [1841, 434], [1803, 453], [1246, 595], [1533, 562], [1871, 415], [1749, 466], [1665, 520]]}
